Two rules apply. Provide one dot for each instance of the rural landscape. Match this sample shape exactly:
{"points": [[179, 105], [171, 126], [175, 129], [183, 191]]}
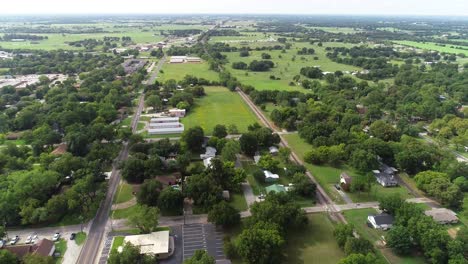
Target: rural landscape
{"points": [[245, 139]]}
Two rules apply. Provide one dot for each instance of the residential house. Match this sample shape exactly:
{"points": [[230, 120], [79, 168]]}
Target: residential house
{"points": [[442, 215], [386, 176], [43, 247], [381, 221], [177, 112], [273, 150], [207, 162], [210, 152], [270, 177], [345, 181]]}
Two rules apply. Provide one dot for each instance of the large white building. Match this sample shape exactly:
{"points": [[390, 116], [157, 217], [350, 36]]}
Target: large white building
{"points": [[165, 125], [184, 59], [159, 244]]}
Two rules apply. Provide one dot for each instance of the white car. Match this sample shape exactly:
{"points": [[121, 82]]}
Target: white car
{"points": [[34, 239], [56, 237], [14, 240], [28, 240]]}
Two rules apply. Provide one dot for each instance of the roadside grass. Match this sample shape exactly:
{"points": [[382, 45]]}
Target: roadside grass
{"points": [[177, 71], [124, 193], [141, 125], [238, 201], [433, 46], [358, 217], [285, 68], [123, 213], [80, 238], [60, 247], [378, 191], [219, 106], [117, 242]]}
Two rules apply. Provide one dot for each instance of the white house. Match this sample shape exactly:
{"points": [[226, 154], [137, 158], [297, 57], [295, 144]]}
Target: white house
{"points": [[273, 150], [381, 221], [270, 177], [177, 112], [159, 244], [210, 152]]}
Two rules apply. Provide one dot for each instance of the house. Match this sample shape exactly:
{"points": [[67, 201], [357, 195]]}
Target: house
{"points": [[442, 215], [345, 181], [132, 65], [270, 177], [210, 152], [43, 247], [386, 176], [159, 244], [381, 221], [273, 150], [207, 162], [276, 188], [177, 112], [60, 149]]}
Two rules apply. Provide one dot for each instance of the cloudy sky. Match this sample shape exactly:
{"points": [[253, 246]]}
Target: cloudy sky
{"points": [[367, 7]]}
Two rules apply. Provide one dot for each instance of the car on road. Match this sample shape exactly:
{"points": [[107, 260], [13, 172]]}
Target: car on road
{"points": [[72, 236], [28, 240], [56, 237], [34, 239], [13, 240]]}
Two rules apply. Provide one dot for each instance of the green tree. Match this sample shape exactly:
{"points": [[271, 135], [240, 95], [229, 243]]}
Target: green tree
{"points": [[8, 257], [220, 131], [267, 162], [153, 101], [384, 131], [171, 201], [399, 239], [193, 138], [145, 218], [358, 246], [248, 143], [260, 244], [37, 259], [130, 254], [363, 161], [342, 232], [224, 214], [229, 151], [149, 192], [390, 203], [284, 154], [360, 259], [200, 257], [303, 185]]}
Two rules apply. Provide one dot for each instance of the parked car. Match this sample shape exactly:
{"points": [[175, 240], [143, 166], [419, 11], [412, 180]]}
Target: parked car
{"points": [[28, 240], [72, 236], [337, 186], [56, 237], [34, 239], [13, 240]]}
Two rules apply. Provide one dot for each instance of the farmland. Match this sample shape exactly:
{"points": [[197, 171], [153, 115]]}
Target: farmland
{"points": [[177, 71], [433, 46], [219, 106]]}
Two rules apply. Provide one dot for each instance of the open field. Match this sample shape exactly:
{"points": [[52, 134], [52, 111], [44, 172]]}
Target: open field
{"points": [[219, 106], [124, 193], [245, 36], [60, 247], [285, 67], [177, 71], [238, 201], [432, 46], [358, 218], [344, 30]]}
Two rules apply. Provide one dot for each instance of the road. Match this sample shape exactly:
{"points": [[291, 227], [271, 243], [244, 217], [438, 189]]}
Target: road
{"points": [[96, 234], [457, 154]]}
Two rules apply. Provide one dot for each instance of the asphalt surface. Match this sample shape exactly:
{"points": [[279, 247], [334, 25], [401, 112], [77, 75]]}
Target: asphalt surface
{"points": [[202, 237]]}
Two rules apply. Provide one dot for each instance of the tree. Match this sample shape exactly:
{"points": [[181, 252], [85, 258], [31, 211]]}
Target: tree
{"points": [[390, 203], [171, 201], [130, 254], [399, 239], [8, 257], [360, 259], [358, 246], [342, 232], [224, 214], [193, 138], [363, 161], [230, 150], [149, 192], [36, 259], [248, 143], [200, 257], [154, 101], [284, 154], [145, 218], [267, 162], [303, 185], [384, 131], [220, 131], [260, 244], [203, 189]]}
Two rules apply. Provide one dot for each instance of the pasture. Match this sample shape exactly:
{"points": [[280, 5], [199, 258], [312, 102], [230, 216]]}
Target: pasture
{"points": [[219, 106], [177, 71], [433, 46]]}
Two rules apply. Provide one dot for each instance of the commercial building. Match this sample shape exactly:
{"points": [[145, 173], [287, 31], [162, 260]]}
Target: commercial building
{"points": [[177, 112], [184, 59], [158, 244], [23, 81], [165, 125], [132, 65]]}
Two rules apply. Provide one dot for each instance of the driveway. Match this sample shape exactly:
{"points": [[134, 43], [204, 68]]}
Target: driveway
{"points": [[73, 251]]}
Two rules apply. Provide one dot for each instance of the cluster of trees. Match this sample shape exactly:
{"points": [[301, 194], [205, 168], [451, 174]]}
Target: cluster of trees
{"points": [[413, 229], [306, 51], [88, 44], [260, 66], [439, 185], [12, 36], [451, 129], [185, 32], [312, 72], [225, 32], [168, 94], [358, 249], [258, 137]]}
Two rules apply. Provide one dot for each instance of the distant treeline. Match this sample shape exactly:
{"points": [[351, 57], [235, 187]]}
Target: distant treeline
{"points": [[10, 37]]}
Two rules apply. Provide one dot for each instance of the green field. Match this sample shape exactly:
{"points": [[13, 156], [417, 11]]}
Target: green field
{"points": [[285, 68], [245, 36], [345, 30], [117, 242], [358, 218], [60, 247], [177, 71], [123, 213], [219, 106], [124, 193], [80, 238], [432, 46], [238, 201]]}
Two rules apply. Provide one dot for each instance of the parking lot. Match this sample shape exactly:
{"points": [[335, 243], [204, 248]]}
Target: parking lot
{"points": [[202, 236]]}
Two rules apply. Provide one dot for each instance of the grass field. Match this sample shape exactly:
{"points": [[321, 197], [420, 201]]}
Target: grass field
{"points": [[124, 193], [432, 46], [80, 238], [245, 36], [377, 191], [358, 218], [117, 242], [345, 30], [238, 201], [60, 247], [177, 71], [219, 106], [285, 67], [123, 213]]}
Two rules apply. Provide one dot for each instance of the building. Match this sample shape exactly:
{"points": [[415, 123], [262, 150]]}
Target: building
{"points": [[270, 177], [5, 55], [184, 59], [381, 221], [386, 176], [442, 215], [210, 152], [273, 150], [193, 59], [165, 125], [345, 181], [132, 65], [43, 247], [159, 244], [276, 188], [177, 112], [207, 162], [23, 81]]}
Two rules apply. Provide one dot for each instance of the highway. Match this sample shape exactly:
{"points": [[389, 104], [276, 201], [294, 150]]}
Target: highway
{"points": [[91, 249]]}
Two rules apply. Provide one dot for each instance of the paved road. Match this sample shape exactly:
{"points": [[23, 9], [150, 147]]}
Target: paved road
{"points": [[155, 72]]}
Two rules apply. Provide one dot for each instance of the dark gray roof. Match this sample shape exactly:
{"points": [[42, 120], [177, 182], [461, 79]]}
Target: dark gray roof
{"points": [[383, 219]]}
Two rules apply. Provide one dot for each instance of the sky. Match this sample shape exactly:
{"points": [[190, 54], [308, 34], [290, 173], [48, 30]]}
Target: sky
{"points": [[347, 7]]}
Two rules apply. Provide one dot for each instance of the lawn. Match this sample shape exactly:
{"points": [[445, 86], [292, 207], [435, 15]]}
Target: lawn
{"points": [[177, 71], [433, 46], [117, 242], [219, 106], [60, 247], [377, 191], [124, 193], [285, 68], [80, 238], [124, 213], [238, 201], [358, 218]]}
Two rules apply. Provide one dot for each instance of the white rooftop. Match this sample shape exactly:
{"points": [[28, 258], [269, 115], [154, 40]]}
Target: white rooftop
{"points": [[153, 243], [270, 175]]}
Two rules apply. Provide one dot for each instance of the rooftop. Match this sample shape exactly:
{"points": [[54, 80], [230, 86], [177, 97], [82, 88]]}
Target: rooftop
{"points": [[153, 243]]}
